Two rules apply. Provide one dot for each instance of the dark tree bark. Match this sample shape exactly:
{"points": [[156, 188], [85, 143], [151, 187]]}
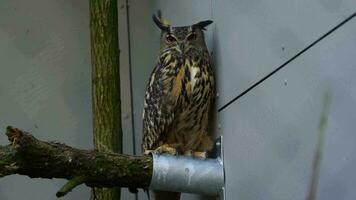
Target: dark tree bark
{"points": [[38, 159], [105, 84]]}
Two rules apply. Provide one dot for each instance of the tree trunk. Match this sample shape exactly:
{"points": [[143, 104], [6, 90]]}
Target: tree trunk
{"points": [[105, 84]]}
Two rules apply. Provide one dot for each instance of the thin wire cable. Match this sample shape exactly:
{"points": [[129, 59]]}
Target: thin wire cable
{"points": [[131, 89], [287, 62], [130, 72]]}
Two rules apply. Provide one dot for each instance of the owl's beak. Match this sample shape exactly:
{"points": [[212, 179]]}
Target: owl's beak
{"points": [[182, 47]]}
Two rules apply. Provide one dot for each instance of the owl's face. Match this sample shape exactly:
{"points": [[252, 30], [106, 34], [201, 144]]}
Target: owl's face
{"points": [[182, 39]]}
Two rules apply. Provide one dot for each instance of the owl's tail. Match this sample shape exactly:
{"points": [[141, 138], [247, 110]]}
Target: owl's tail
{"points": [[163, 195]]}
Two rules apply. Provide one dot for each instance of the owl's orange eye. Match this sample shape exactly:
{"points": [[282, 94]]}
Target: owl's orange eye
{"points": [[170, 39], [192, 37]]}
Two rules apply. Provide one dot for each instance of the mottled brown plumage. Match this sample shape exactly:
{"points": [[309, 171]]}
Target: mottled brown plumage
{"points": [[178, 95]]}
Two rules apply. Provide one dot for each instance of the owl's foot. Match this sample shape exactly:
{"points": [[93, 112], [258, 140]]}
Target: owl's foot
{"points": [[164, 149], [196, 154], [167, 149]]}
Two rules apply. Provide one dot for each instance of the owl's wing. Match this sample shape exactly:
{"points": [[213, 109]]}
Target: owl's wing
{"points": [[160, 104]]}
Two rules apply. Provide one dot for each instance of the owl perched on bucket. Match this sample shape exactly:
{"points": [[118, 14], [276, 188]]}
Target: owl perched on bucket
{"points": [[179, 94]]}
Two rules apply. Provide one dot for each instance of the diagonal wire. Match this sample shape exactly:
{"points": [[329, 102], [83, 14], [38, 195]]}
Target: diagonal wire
{"points": [[287, 62]]}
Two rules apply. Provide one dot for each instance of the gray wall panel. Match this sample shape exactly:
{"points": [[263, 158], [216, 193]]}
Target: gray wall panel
{"points": [[45, 82], [251, 38], [270, 134], [126, 107]]}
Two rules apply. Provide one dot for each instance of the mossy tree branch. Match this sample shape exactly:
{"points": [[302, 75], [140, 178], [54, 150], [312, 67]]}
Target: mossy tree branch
{"points": [[29, 156]]}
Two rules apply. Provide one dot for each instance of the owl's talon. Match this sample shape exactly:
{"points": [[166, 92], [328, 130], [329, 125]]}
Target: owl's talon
{"points": [[166, 149], [188, 153], [198, 154]]}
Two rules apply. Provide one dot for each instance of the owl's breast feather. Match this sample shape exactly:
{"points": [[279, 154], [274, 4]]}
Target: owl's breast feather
{"points": [[193, 79]]}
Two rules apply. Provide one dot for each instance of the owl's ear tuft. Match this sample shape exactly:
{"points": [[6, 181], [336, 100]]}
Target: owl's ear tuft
{"points": [[202, 24], [160, 22]]}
